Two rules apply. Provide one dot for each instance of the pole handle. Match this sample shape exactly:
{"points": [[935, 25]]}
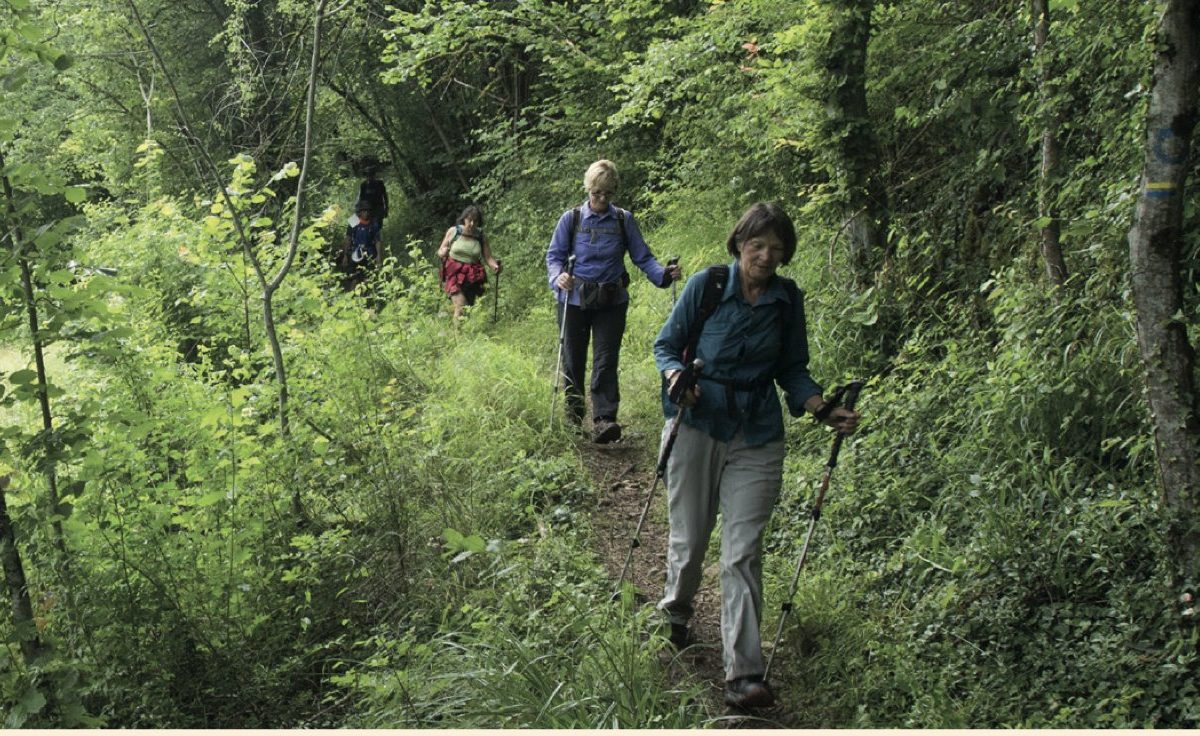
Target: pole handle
{"points": [[685, 382], [853, 389]]}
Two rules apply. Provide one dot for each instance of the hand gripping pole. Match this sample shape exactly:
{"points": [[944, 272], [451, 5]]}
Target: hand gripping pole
{"points": [[851, 397], [686, 381]]}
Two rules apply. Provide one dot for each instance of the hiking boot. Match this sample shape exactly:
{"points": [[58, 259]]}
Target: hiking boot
{"points": [[605, 430], [679, 638], [748, 692]]}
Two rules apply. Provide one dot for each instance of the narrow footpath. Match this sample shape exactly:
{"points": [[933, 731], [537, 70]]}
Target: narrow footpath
{"points": [[621, 475]]}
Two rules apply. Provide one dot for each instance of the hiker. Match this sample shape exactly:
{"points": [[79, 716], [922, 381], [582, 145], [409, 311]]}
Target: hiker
{"points": [[374, 193], [463, 252], [593, 302], [362, 250], [728, 455]]}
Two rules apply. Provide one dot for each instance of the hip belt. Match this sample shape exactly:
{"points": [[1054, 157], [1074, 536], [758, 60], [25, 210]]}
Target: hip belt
{"points": [[732, 387]]}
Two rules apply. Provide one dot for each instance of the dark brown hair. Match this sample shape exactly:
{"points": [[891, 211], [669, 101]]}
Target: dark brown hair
{"points": [[474, 213], [760, 218]]}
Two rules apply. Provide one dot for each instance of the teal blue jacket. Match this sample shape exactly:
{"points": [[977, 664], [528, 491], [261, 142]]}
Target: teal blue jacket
{"points": [[746, 350]]}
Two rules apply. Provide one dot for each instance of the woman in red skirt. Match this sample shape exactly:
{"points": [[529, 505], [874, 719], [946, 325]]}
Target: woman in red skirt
{"points": [[463, 251]]}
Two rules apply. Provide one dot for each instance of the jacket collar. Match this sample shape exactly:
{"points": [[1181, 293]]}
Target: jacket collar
{"points": [[775, 291]]}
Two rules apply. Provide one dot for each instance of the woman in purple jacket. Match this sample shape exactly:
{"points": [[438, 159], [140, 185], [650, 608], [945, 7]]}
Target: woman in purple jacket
{"points": [[592, 302]]}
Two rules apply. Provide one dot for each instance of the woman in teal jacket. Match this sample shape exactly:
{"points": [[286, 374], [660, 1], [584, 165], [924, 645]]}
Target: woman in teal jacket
{"points": [[728, 455]]}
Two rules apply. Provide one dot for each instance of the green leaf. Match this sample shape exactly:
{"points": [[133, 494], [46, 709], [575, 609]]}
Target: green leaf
{"points": [[453, 537], [474, 543], [32, 32], [32, 701], [210, 499], [22, 377], [75, 195]]}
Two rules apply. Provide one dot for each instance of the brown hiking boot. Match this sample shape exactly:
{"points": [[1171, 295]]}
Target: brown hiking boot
{"points": [[605, 430], [748, 692]]}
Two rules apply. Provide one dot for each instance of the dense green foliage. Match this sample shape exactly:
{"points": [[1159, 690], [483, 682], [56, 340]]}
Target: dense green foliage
{"points": [[992, 552]]}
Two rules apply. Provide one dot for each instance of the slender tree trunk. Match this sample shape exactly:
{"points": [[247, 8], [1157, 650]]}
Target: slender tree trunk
{"points": [[298, 215], [866, 203], [14, 580], [1156, 262], [39, 357], [1052, 256], [268, 286]]}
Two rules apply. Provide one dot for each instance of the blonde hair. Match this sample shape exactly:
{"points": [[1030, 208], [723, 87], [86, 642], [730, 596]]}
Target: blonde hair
{"points": [[601, 175]]}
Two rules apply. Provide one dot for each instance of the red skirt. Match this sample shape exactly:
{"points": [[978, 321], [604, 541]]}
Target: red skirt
{"points": [[466, 278]]}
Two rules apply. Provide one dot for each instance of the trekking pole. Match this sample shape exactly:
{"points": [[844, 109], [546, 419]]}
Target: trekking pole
{"points": [[496, 300], [673, 262], [682, 386], [562, 333], [852, 390]]}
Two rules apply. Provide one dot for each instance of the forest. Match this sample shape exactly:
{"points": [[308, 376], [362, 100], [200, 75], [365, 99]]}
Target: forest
{"points": [[236, 493]]}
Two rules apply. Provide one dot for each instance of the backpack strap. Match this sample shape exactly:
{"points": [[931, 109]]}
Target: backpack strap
{"points": [[620, 213], [787, 310], [715, 280]]}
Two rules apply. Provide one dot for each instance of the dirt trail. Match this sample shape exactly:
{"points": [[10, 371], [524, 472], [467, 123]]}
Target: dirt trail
{"points": [[621, 474]]}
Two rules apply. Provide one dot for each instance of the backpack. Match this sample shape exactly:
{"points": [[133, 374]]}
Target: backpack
{"points": [[577, 215]]}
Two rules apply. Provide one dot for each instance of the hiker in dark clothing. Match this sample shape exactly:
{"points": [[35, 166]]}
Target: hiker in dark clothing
{"points": [[361, 251], [729, 451], [374, 193], [594, 301]]}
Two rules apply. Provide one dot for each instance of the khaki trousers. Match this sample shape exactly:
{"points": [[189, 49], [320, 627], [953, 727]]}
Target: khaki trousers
{"points": [[704, 476]]}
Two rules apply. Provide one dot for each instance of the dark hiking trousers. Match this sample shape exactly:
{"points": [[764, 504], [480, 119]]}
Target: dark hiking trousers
{"points": [[604, 328]]}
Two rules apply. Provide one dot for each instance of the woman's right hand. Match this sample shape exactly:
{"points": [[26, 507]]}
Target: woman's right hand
{"points": [[565, 281], [690, 397]]}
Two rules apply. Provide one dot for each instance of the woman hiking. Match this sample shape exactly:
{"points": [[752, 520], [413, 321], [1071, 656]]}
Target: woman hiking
{"points": [[463, 251], [729, 451], [592, 302]]}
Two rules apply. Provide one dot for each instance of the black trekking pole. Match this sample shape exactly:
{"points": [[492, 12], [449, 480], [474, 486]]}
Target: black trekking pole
{"points": [[684, 384], [496, 300], [673, 262], [851, 390], [562, 333]]}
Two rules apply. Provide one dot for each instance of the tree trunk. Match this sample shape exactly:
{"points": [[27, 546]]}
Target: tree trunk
{"points": [[1056, 267], [865, 203], [14, 579], [1156, 262], [39, 358]]}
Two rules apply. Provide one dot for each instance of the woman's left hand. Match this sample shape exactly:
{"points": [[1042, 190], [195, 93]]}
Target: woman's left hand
{"points": [[675, 273], [844, 420]]}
